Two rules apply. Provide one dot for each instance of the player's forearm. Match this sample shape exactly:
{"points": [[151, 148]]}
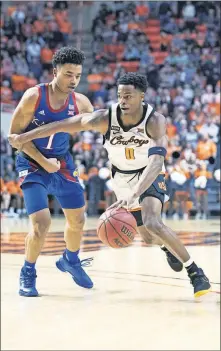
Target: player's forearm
{"points": [[30, 149], [148, 176], [69, 125]]}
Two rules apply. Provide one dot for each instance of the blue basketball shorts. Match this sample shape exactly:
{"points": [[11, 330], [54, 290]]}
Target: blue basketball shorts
{"points": [[37, 184]]}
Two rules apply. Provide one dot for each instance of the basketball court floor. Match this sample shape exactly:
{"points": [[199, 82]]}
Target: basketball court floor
{"points": [[137, 303]]}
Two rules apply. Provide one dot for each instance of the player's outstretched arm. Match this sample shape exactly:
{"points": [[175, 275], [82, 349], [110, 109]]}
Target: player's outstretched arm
{"points": [[21, 118], [156, 128], [86, 120]]}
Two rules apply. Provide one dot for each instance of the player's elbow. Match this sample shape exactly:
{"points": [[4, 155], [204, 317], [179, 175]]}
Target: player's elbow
{"points": [[86, 122]]}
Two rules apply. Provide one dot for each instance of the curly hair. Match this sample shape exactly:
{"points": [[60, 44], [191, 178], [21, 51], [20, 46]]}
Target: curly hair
{"points": [[137, 80], [68, 54]]}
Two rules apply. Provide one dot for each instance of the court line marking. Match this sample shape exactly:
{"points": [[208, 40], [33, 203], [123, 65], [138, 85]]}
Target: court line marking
{"points": [[146, 275], [157, 283], [136, 274]]}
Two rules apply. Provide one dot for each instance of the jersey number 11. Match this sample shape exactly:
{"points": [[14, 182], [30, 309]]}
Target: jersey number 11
{"points": [[129, 153]]}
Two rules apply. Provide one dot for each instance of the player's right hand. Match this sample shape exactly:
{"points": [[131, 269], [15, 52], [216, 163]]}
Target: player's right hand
{"points": [[52, 165], [14, 141]]}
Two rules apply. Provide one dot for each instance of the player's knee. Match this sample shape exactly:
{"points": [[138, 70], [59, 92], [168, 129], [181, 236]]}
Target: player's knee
{"points": [[153, 225], [40, 227], [76, 223], [148, 238]]}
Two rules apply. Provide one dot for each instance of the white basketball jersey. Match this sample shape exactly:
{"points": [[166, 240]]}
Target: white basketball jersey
{"points": [[128, 148]]}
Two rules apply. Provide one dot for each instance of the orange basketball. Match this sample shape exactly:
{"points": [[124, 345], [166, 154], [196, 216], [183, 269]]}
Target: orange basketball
{"points": [[116, 228]]}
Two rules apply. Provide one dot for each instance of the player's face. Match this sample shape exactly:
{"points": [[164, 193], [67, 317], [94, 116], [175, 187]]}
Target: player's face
{"points": [[130, 99], [67, 77]]}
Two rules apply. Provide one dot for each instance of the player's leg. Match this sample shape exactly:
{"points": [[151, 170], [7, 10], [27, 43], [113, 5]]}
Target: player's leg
{"points": [[36, 203], [75, 220], [151, 215], [123, 184], [73, 205], [148, 238]]}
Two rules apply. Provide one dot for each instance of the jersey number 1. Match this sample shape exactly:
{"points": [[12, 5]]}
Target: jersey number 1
{"points": [[48, 147], [129, 153]]}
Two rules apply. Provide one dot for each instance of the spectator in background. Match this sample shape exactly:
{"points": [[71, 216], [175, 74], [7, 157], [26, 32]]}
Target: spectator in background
{"points": [[211, 129], [192, 136], [180, 183], [206, 148], [20, 62], [142, 11], [6, 92], [3, 153], [131, 53], [201, 176], [35, 66], [8, 67], [5, 198], [33, 47], [208, 96], [94, 186], [189, 11], [31, 81], [46, 57], [18, 85], [46, 77], [171, 128]]}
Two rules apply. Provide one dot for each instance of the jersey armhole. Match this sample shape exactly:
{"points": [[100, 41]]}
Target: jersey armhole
{"points": [[107, 135], [149, 117]]}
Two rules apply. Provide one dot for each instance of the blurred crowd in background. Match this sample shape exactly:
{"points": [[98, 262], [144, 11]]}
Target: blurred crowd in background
{"points": [[176, 45]]}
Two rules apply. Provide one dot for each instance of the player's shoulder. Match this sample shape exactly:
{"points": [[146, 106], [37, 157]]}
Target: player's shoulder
{"points": [[31, 96], [83, 103], [156, 126], [158, 118]]}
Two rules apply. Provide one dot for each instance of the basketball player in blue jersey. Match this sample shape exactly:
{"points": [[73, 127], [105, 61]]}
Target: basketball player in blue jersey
{"points": [[136, 142], [45, 167]]}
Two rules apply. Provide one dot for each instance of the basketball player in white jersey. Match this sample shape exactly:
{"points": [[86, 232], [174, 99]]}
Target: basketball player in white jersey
{"points": [[136, 142]]}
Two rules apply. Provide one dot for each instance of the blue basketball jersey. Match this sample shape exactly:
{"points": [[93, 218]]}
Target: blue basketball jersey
{"points": [[57, 144]]}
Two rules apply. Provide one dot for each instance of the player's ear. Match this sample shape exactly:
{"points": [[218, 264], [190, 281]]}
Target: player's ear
{"points": [[142, 96], [55, 72]]}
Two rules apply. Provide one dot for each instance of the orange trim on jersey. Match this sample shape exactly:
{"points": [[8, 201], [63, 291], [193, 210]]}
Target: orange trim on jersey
{"points": [[48, 102], [135, 209]]}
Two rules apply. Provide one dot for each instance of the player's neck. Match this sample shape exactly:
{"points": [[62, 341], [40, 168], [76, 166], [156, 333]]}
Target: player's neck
{"points": [[133, 119], [54, 90]]}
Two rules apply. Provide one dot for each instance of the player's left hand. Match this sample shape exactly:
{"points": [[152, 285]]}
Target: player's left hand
{"points": [[128, 203], [14, 141]]}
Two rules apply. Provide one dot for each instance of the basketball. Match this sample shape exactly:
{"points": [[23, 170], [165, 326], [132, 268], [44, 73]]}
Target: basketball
{"points": [[116, 228]]}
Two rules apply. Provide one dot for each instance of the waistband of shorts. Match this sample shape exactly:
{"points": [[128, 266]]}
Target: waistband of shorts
{"points": [[115, 169], [23, 154]]}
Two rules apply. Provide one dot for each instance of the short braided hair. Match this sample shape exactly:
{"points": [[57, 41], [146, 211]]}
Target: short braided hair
{"points": [[137, 80]]}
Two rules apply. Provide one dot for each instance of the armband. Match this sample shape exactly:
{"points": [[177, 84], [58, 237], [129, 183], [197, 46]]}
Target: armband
{"points": [[157, 150]]}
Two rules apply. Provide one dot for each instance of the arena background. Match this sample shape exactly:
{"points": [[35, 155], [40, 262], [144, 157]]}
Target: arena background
{"points": [[177, 46]]}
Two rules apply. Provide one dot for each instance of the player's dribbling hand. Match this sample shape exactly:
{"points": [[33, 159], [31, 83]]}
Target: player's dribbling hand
{"points": [[14, 141], [52, 165], [118, 204], [128, 204]]}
